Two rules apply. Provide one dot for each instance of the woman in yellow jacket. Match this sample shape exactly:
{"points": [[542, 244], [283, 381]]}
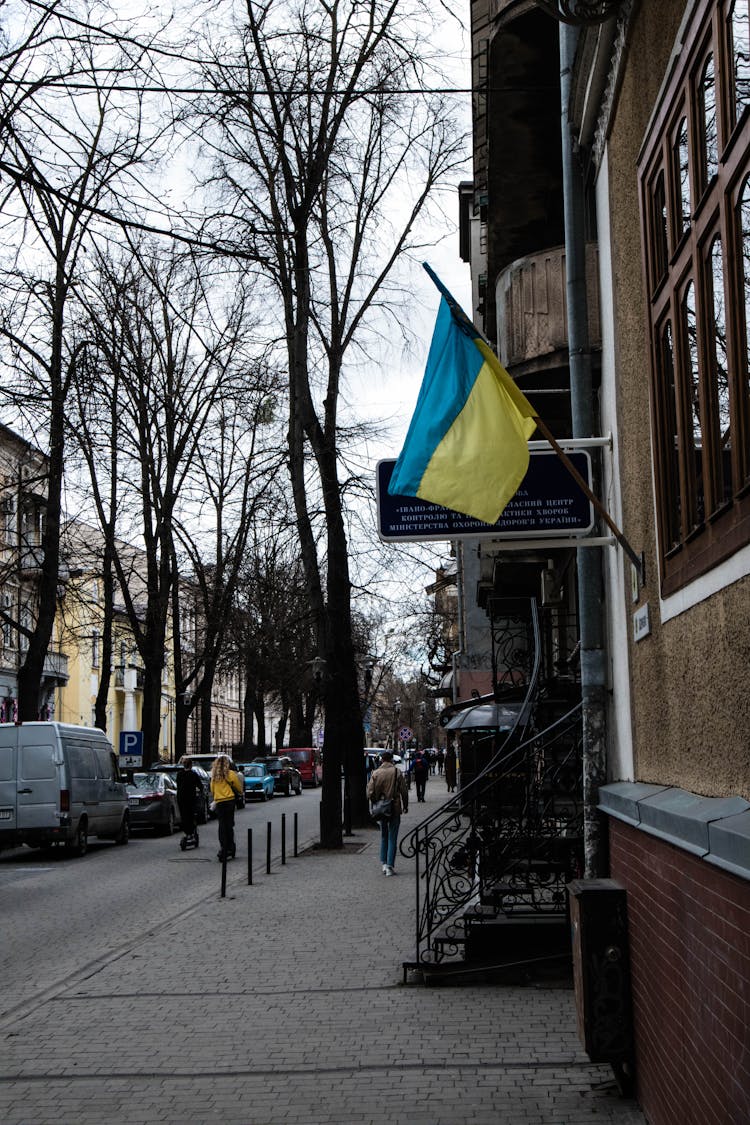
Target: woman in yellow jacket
{"points": [[225, 788]]}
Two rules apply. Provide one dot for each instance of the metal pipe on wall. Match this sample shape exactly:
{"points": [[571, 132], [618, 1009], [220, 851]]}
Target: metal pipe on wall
{"points": [[589, 562]]}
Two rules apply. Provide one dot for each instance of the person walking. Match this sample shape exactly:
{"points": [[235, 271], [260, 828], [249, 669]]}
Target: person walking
{"points": [[189, 791], [225, 789], [421, 773], [450, 769], [440, 760], [388, 782]]}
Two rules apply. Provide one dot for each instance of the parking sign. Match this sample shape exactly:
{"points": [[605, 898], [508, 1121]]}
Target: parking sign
{"points": [[131, 749]]}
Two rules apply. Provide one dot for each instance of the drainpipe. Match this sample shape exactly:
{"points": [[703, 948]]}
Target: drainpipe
{"points": [[589, 561]]}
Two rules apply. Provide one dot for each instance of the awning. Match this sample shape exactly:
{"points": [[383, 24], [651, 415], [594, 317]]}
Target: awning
{"points": [[487, 716]]}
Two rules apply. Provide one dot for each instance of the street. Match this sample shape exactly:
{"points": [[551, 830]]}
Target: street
{"points": [[63, 916]]}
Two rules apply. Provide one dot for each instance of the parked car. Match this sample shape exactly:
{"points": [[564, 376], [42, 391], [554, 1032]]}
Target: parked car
{"points": [[201, 802], [286, 777], [309, 761], [258, 781], [206, 761], [152, 798]]}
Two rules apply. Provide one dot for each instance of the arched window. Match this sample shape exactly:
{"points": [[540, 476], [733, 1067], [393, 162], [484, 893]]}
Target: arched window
{"points": [[670, 457], [721, 427], [709, 139], [681, 157], [692, 383], [739, 43]]}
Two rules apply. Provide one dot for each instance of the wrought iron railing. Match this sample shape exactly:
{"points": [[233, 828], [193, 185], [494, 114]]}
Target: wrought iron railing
{"points": [[506, 843]]}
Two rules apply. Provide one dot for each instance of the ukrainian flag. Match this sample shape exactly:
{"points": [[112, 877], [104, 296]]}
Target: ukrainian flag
{"points": [[466, 448]]}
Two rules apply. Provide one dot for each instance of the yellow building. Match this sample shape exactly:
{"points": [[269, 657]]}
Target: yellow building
{"points": [[80, 629]]}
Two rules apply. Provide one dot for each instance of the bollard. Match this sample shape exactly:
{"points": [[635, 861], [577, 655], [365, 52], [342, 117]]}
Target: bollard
{"points": [[268, 848], [296, 836], [249, 857], [283, 839], [224, 875]]}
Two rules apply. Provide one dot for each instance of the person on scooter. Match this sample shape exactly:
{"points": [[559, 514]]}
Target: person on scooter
{"points": [[189, 786]]}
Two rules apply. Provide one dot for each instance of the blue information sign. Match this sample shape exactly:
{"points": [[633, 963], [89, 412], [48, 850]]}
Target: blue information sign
{"points": [[549, 503]]}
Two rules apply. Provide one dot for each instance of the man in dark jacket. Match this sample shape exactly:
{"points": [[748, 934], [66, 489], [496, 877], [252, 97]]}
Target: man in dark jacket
{"points": [[189, 786], [421, 773]]}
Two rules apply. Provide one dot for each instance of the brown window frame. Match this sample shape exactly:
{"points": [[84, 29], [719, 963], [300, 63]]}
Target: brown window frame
{"points": [[702, 493]]}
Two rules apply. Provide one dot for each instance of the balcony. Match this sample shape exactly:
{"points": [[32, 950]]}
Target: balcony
{"points": [[56, 668], [530, 295], [30, 560], [128, 678]]}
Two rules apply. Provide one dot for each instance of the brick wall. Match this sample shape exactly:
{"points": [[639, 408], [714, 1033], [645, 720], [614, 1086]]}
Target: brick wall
{"points": [[689, 928]]}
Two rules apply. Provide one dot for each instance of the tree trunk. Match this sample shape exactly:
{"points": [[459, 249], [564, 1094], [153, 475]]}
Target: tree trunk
{"points": [[260, 721], [182, 712], [107, 645], [32, 670], [248, 709], [300, 728], [151, 714]]}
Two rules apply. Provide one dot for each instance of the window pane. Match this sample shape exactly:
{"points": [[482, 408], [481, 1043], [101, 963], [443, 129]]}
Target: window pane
{"points": [[690, 330], [720, 389], [744, 224], [659, 225], [671, 440], [681, 157], [739, 27], [707, 117]]}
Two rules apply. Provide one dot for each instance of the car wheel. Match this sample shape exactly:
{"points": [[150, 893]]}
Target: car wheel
{"points": [[170, 823], [288, 789], [123, 836], [79, 846], [264, 796]]}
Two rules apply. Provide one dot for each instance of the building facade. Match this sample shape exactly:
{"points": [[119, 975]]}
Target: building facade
{"points": [[648, 184]]}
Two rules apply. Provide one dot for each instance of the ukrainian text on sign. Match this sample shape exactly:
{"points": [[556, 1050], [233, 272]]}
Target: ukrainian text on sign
{"points": [[549, 503]]}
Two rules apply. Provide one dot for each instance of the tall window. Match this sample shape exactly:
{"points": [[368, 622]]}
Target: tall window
{"points": [[695, 187]]}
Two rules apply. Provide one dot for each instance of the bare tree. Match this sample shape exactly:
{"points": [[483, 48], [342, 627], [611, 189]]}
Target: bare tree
{"points": [[273, 636], [325, 168], [168, 402], [64, 154], [234, 469]]}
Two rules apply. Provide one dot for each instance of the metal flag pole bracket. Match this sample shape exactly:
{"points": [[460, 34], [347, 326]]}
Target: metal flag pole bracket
{"points": [[637, 560]]}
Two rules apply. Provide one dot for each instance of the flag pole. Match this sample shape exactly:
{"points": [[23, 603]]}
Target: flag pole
{"points": [[638, 561]]}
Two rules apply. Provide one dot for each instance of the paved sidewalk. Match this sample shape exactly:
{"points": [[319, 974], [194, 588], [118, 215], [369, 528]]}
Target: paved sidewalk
{"points": [[301, 1018]]}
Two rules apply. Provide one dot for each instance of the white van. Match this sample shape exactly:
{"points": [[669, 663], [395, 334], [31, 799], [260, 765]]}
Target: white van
{"points": [[59, 783]]}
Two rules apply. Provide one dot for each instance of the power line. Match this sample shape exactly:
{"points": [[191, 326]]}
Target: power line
{"points": [[226, 91]]}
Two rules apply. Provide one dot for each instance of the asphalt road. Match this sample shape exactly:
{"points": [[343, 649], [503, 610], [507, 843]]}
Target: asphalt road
{"points": [[62, 916]]}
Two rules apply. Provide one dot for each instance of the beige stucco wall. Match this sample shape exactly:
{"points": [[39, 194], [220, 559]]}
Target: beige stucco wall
{"points": [[690, 698]]}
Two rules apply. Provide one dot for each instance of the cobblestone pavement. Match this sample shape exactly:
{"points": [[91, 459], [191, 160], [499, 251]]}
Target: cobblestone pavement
{"points": [[283, 1003]]}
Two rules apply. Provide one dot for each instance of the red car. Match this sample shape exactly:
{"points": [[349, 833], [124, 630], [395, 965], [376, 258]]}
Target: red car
{"points": [[309, 762]]}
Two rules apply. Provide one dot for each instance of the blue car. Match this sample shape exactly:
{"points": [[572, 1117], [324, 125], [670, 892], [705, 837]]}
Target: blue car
{"points": [[258, 781]]}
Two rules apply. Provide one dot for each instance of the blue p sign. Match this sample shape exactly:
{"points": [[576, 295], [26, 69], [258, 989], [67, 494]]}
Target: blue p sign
{"points": [[131, 744]]}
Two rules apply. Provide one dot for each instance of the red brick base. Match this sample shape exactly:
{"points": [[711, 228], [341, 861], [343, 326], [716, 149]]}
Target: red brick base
{"points": [[689, 928]]}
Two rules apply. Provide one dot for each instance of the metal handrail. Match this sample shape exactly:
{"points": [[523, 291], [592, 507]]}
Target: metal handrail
{"points": [[451, 875], [474, 787]]}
